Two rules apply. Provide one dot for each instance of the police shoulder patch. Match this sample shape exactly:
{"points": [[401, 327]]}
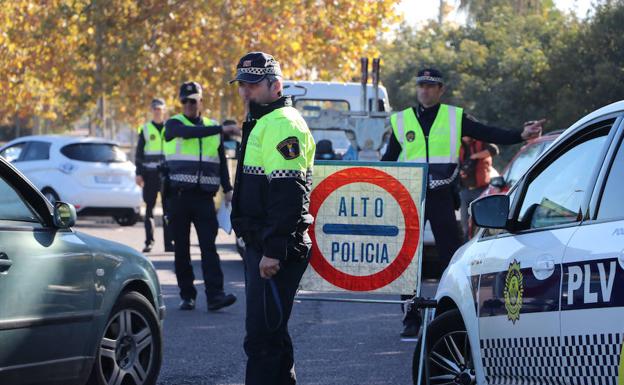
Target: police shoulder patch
{"points": [[289, 148]]}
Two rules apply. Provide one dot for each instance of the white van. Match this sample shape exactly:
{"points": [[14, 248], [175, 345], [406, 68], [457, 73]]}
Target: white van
{"points": [[311, 98]]}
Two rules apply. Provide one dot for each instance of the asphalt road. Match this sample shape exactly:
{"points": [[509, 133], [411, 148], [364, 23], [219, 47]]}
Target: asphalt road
{"points": [[335, 343]]}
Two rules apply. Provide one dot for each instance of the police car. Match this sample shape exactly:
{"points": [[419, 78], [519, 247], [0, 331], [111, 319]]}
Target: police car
{"points": [[537, 297]]}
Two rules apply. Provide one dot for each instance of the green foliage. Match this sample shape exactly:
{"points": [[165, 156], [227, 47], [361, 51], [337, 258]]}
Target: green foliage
{"points": [[516, 62]]}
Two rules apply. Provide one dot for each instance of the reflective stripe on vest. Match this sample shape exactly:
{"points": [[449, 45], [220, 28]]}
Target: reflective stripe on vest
{"points": [[444, 136]]}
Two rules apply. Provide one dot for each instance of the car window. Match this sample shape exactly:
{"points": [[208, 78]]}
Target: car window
{"points": [[94, 152], [611, 206], [36, 151], [310, 108], [12, 153], [12, 206], [522, 163], [554, 195]]}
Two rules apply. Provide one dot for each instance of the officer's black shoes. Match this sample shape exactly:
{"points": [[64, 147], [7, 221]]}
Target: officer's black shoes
{"points": [[410, 331], [221, 301], [169, 249], [187, 304], [148, 247]]}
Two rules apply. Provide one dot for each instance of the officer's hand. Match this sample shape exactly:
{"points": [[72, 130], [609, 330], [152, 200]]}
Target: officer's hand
{"points": [[269, 267], [139, 181], [532, 129], [231, 129], [228, 196]]}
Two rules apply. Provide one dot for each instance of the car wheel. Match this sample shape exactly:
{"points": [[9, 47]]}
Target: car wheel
{"points": [[130, 350], [129, 219], [449, 358], [50, 195]]}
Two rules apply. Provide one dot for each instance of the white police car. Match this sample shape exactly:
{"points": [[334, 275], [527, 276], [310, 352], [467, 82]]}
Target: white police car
{"points": [[537, 297]]}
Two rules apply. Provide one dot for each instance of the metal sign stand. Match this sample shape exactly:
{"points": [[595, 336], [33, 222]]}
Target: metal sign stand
{"points": [[366, 122], [428, 306]]}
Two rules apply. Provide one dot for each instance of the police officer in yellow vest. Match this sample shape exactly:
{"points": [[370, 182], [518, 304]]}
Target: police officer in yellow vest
{"points": [[270, 211], [431, 133], [148, 159], [196, 167]]}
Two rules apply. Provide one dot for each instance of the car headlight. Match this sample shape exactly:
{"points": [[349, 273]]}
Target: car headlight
{"points": [[67, 168]]}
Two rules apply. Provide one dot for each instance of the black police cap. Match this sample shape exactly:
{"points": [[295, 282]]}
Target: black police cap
{"points": [[255, 66], [158, 103], [190, 90], [429, 76]]}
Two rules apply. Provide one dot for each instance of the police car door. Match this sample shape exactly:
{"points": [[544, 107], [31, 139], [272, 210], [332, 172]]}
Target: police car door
{"points": [[520, 285], [592, 298]]}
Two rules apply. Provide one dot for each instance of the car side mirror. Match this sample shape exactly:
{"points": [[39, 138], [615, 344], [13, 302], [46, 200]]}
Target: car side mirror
{"points": [[491, 211], [64, 215], [498, 181]]}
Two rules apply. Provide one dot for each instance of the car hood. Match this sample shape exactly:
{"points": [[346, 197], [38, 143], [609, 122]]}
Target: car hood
{"points": [[113, 248]]}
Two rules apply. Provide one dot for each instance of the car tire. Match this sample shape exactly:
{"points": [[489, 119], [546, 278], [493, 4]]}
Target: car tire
{"points": [[446, 337], [131, 345], [50, 195], [129, 219]]}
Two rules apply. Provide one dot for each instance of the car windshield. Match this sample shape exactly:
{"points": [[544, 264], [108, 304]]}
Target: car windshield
{"points": [[340, 142], [311, 108], [94, 152], [522, 163]]}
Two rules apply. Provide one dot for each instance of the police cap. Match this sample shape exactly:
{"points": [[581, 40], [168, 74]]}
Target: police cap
{"points": [[429, 76], [190, 90], [255, 66]]}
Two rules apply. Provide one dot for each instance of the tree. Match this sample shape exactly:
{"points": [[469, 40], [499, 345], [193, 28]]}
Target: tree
{"points": [[59, 57], [496, 69]]}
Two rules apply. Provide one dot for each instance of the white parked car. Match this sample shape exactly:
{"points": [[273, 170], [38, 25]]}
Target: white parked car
{"points": [[92, 174], [537, 296]]}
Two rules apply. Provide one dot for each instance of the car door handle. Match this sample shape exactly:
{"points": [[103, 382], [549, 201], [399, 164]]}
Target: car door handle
{"points": [[545, 266], [5, 263]]}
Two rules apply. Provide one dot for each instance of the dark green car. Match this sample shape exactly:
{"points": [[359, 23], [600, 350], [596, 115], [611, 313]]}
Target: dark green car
{"points": [[74, 309]]}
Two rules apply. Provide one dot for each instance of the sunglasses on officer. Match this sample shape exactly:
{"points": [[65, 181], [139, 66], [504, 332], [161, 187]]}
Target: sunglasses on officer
{"points": [[189, 101]]}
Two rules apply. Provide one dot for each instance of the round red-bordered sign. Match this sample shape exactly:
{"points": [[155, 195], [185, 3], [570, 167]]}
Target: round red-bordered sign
{"points": [[412, 227]]}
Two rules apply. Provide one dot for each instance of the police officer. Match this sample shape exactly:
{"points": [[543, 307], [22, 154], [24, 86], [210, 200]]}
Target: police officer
{"points": [[149, 157], [270, 211], [196, 166], [431, 132]]}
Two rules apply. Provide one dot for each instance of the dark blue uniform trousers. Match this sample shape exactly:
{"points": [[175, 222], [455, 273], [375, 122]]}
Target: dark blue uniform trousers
{"points": [[196, 207], [267, 344], [440, 212], [151, 189]]}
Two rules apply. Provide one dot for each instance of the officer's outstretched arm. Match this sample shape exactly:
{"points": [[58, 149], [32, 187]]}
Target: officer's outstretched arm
{"points": [[176, 129], [287, 154]]}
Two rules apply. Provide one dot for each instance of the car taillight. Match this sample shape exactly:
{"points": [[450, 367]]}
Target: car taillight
{"points": [[67, 168]]}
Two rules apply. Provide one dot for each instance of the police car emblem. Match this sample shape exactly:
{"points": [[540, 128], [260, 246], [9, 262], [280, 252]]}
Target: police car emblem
{"points": [[410, 136], [514, 289], [289, 148]]}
